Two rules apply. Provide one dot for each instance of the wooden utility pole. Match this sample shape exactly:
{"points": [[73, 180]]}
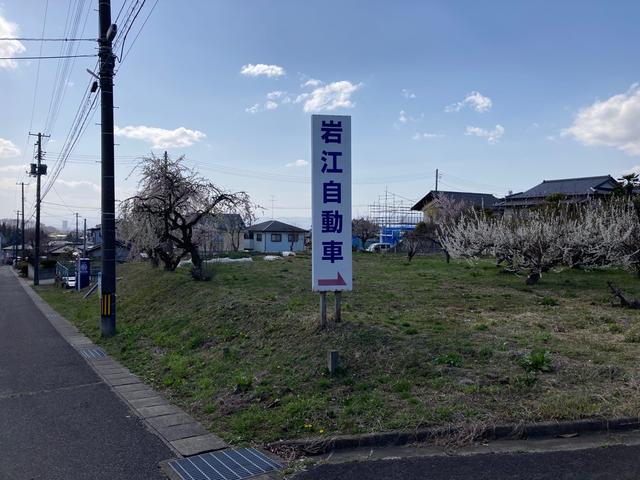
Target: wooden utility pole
{"points": [[22, 229], [37, 170], [106, 35], [16, 237]]}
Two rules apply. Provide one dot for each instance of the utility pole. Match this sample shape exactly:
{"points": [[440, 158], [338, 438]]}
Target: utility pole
{"points": [[437, 176], [23, 251], [84, 238], [37, 170], [107, 32], [77, 234], [16, 237]]}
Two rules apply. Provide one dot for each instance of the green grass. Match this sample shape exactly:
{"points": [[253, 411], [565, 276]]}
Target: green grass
{"points": [[422, 343]]}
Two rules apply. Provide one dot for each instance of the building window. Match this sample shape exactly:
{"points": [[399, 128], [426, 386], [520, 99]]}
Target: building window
{"points": [[249, 236], [293, 237], [258, 237], [276, 237]]}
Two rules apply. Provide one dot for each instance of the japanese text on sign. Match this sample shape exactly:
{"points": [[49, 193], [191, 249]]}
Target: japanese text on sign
{"points": [[331, 201]]}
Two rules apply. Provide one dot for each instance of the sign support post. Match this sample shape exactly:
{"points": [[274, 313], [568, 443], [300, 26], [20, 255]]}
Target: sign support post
{"points": [[331, 205]]}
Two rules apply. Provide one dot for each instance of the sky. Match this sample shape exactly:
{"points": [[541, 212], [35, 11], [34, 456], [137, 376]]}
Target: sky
{"points": [[497, 96]]}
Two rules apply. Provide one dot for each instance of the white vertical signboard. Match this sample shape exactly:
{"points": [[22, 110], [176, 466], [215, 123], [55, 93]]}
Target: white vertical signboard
{"points": [[331, 202]]}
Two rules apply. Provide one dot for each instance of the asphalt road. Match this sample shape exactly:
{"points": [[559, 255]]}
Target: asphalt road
{"points": [[614, 462], [58, 420]]}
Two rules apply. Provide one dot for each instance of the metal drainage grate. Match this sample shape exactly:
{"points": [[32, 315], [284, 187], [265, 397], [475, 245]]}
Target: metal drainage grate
{"points": [[224, 465], [93, 353]]}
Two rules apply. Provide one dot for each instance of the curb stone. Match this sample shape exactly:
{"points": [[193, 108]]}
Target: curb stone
{"points": [[319, 445], [150, 406]]}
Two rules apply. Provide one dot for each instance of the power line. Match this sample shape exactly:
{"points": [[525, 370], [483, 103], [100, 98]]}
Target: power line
{"points": [[139, 32], [49, 57], [124, 39], [65, 66], [48, 39]]}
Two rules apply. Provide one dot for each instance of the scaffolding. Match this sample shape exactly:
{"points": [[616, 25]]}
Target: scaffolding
{"points": [[393, 214]]}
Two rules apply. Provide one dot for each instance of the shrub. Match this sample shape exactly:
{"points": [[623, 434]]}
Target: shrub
{"points": [[550, 302], [537, 360], [450, 359], [242, 383]]}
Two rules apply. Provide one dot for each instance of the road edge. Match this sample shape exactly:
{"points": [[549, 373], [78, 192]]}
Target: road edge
{"points": [[182, 434]]}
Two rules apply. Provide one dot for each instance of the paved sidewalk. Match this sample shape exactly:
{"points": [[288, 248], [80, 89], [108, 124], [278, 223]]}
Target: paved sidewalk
{"points": [[58, 419]]}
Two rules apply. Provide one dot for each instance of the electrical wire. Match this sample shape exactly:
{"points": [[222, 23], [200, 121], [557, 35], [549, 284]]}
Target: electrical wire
{"points": [[49, 57], [65, 66], [48, 39], [139, 32]]}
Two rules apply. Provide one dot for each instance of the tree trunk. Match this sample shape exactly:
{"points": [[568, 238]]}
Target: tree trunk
{"points": [[533, 277], [196, 271]]}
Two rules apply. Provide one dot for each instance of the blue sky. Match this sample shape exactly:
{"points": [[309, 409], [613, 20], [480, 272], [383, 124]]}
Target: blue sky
{"points": [[498, 95]]}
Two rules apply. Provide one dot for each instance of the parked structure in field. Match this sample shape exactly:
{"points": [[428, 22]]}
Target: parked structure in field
{"points": [[472, 199], [274, 236], [568, 190], [393, 214]]}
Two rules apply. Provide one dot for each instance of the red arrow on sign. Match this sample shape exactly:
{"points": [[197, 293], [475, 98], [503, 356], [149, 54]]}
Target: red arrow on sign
{"points": [[332, 281]]}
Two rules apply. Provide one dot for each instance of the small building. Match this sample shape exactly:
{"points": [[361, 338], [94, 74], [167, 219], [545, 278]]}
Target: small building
{"points": [[223, 232], [472, 199], [274, 236], [570, 190], [122, 252], [94, 235], [10, 252], [67, 250]]}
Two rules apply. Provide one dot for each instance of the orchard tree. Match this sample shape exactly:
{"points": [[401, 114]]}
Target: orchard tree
{"points": [[364, 229], [599, 233], [416, 240], [172, 199], [444, 211]]}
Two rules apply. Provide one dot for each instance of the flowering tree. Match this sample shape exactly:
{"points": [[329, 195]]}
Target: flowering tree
{"points": [[172, 200], [593, 234]]}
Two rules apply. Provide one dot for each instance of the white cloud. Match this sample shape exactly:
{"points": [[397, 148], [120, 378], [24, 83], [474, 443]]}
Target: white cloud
{"points": [[78, 183], [160, 137], [492, 136], [270, 105], [329, 97], [298, 163], [404, 118], [8, 148], [408, 94], [312, 82], [275, 95], [255, 108], [474, 100], [13, 168], [260, 69], [427, 135], [614, 122], [9, 48]]}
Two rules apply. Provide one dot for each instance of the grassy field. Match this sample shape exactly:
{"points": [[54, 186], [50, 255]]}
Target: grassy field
{"points": [[422, 343]]}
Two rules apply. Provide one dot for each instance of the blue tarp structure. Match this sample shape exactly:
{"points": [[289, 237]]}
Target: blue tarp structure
{"points": [[393, 235]]}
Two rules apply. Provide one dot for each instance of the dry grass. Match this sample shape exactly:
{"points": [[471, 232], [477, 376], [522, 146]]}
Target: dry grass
{"points": [[422, 343]]}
